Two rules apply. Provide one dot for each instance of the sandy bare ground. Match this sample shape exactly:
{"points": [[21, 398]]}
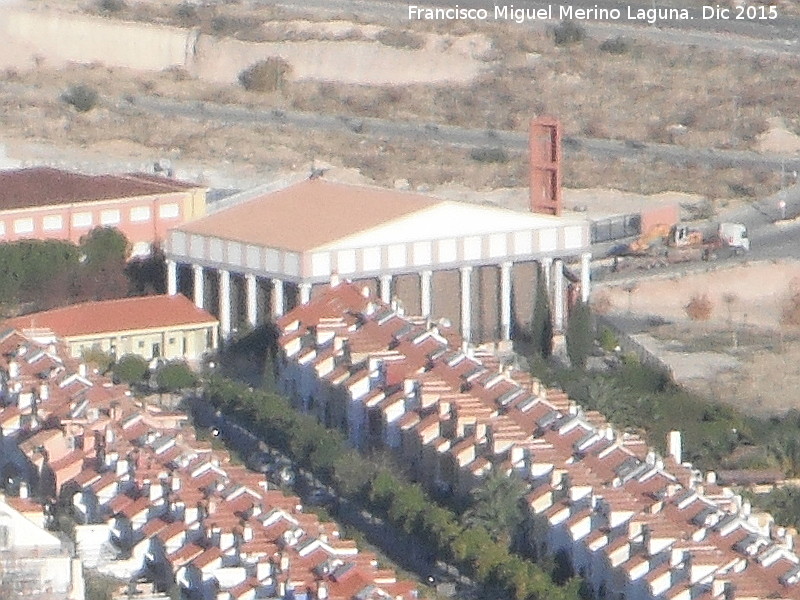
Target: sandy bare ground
{"points": [[744, 354]]}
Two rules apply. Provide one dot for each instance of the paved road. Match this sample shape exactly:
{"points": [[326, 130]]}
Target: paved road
{"points": [[455, 136]]}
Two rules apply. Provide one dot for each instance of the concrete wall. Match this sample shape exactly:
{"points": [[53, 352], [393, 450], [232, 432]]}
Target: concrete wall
{"points": [[60, 37]]}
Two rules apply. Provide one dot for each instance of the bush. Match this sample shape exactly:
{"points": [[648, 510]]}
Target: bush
{"points": [[568, 32], [608, 341], [111, 6], [489, 155], [186, 13], [175, 376], [398, 38], [699, 308], [82, 97], [131, 368], [618, 45], [266, 75]]}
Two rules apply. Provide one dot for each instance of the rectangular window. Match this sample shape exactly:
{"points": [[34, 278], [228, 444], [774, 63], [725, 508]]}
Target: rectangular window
{"points": [[141, 344], [82, 219], [140, 213], [171, 341], [52, 223], [2, 228], [23, 225], [168, 211], [110, 217]]}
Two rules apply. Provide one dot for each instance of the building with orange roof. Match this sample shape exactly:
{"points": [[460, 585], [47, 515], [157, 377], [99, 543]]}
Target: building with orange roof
{"points": [[632, 523], [474, 265], [46, 203], [168, 327], [153, 503]]}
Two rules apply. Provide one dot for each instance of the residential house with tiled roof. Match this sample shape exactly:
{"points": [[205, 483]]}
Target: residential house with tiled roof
{"points": [[153, 502], [634, 524], [169, 327]]}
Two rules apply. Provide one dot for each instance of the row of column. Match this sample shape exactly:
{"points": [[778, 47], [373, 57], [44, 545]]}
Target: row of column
{"points": [[553, 270], [251, 294]]}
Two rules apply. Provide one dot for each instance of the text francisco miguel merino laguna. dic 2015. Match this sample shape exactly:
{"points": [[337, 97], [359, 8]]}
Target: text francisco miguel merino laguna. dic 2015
{"points": [[567, 12]]}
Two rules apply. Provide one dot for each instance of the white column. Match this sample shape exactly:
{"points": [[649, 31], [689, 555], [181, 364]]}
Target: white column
{"points": [[547, 267], [225, 303], [558, 295], [199, 285], [386, 288], [305, 293], [172, 277], [252, 299], [505, 301], [425, 278], [466, 304], [277, 297], [586, 279]]}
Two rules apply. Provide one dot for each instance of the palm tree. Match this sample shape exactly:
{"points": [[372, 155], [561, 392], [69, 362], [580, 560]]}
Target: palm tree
{"points": [[496, 506]]}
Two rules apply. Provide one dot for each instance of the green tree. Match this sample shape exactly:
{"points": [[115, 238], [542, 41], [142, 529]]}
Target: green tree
{"points": [[580, 337], [103, 245], [542, 322], [496, 506], [104, 252], [786, 449], [96, 358], [131, 368], [175, 376]]}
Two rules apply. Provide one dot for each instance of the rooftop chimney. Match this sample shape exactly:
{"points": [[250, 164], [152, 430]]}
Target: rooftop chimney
{"points": [[545, 157], [335, 279], [674, 446]]}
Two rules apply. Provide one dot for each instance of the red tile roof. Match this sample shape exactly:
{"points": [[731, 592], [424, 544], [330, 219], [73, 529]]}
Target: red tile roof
{"points": [[328, 211], [125, 314], [43, 186]]}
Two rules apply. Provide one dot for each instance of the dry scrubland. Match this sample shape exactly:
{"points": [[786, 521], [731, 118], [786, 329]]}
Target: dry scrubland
{"points": [[683, 95], [753, 316], [39, 113]]}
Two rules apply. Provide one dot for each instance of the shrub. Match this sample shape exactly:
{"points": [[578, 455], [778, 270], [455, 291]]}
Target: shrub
{"points": [[790, 311], [568, 32], [266, 75], [608, 341], [489, 155], [175, 376], [111, 6], [398, 38], [699, 308], [131, 368], [617, 45], [186, 13], [82, 97]]}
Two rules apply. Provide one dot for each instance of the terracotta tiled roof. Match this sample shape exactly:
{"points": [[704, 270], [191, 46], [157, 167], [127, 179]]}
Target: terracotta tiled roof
{"points": [[309, 214], [125, 314], [43, 186]]}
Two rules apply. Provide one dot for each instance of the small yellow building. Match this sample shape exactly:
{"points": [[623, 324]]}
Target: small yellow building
{"points": [[169, 327]]}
